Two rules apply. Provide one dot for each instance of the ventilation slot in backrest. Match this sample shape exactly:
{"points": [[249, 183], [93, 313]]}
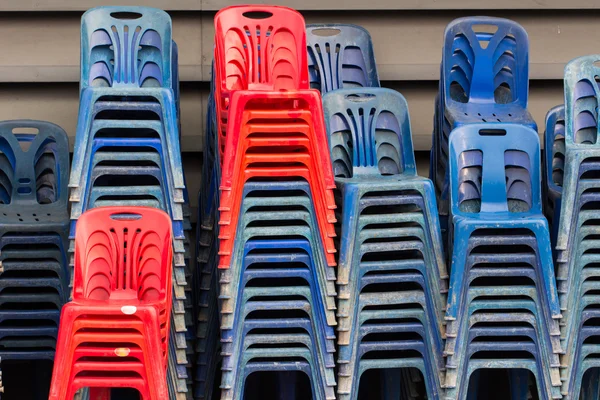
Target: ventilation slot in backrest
{"points": [[314, 73], [505, 67], [354, 69], [7, 171], [484, 33], [123, 259], [387, 142], [470, 165], [283, 65], [237, 59], [147, 256], [558, 153], [46, 174], [99, 261], [149, 58], [122, 56], [102, 59], [325, 67], [261, 55], [518, 180], [585, 106], [342, 146], [461, 71]]}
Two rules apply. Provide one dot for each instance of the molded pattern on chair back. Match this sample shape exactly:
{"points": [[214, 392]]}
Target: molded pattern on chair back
{"points": [[123, 253], [555, 146], [34, 164], [368, 132], [486, 60], [582, 77], [260, 47], [340, 56], [495, 169], [126, 46]]}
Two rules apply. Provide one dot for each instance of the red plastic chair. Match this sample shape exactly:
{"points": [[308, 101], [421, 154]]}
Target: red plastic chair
{"points": [[115, 331], [257, 48], [276, 134]]}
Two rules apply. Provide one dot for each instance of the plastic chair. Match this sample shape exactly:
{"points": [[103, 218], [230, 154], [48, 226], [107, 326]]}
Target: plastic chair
{"points": [[340, 56], [554, 167], [113, 39], [495, 200], [381, 142], [113, 305], [390, 237], [45, 142], [581, 99]]}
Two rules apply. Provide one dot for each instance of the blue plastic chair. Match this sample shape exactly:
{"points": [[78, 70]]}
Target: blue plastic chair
{"points": [[373, 161], [381, 142], [126, 46], [340, 56], [554, 167], [494, 171], [484, 78], [581, 132]]}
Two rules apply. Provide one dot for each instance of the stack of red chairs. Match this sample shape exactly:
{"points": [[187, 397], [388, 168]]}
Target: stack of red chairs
{"points": [[114, 334], [241, 63], [277, 210]]}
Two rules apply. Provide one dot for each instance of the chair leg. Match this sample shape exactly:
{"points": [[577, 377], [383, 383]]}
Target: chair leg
{"points": [[155, 373], [63, 360]]}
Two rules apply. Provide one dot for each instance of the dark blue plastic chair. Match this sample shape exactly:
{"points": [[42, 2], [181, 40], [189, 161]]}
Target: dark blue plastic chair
{"points": [[34, 284], [340, 56]]}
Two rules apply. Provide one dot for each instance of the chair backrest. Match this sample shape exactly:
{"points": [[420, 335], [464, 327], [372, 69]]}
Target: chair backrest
{"points": [[554, 145], [123, 253], [260, 47], [368, 130], [126, 46], [485, 60], [34, 165], [340, 56], [494, 168], [582, 77]]}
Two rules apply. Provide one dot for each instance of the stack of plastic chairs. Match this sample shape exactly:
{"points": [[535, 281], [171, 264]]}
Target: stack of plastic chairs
{"points": [[554, 167], [34, 275], [276, 206], [115, 332], [207, 362], [503, 310], [484, 77], [127, 143], [392, 278], [340, 56], [577, 241]]}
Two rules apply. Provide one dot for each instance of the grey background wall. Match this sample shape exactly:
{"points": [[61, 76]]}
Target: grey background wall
{"points": [[39, 47]]}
